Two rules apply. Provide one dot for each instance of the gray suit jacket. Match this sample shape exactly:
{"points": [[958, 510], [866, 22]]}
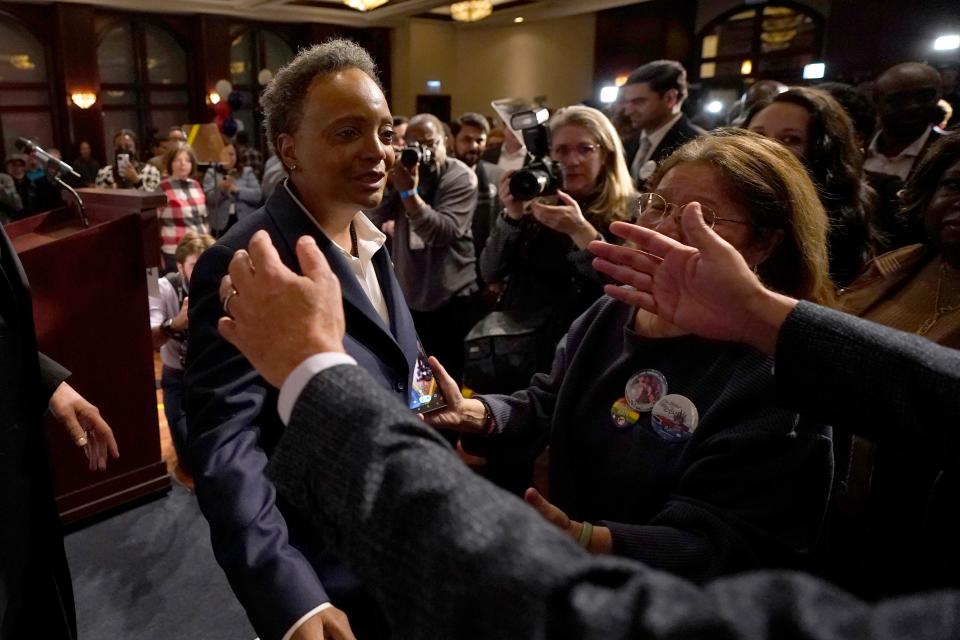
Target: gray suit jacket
{"points": [[451, 556]]}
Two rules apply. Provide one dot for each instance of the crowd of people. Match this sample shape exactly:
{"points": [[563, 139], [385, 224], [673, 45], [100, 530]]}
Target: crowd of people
{"points": [[683, 429]]}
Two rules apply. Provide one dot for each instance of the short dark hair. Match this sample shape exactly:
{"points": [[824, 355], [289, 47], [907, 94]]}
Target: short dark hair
{"points": [[661, 75], [473, 119], [282, 100], [399, 120]]}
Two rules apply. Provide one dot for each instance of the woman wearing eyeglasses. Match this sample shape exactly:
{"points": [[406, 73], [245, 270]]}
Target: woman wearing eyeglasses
{"points": [[663, 446], [539, 248]]}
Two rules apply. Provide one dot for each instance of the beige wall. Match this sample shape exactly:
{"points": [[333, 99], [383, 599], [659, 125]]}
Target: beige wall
{"points": [[476, 64]]}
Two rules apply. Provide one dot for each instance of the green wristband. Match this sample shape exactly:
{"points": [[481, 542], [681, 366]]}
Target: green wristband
{"points": [[586, 534]]}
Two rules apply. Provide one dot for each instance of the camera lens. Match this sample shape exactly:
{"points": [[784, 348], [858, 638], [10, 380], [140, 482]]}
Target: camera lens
{"points": [[410, 156], [527, 184]]}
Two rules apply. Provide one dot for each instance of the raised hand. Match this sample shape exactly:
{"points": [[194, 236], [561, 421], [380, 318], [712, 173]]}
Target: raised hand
{"points": [[704, 287]]}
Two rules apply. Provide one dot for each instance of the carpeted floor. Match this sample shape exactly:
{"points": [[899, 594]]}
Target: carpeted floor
{"points": [[149, 574]]}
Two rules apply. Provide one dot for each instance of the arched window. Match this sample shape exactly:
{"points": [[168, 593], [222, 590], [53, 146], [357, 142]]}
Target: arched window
{"points": [[143, 79], [774, 40], [252, 52], [24, 88]]}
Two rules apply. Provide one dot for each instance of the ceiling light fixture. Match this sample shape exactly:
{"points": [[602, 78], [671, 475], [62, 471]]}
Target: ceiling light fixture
{"points": [[83, 99], [364, 5], [518, 19], [471, 10]]}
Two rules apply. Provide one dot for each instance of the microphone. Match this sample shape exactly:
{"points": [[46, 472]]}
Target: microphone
{"points": [[27, 146]]}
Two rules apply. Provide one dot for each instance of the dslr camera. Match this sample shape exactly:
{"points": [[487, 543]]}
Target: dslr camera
{"points": [[415, 153], [540, 176]]}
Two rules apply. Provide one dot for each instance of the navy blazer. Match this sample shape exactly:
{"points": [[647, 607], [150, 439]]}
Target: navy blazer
{"points": [[679, 134], [268, 553]]}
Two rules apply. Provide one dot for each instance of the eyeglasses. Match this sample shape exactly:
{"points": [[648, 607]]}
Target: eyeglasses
{"points": [[562, 151], [653, 210]]}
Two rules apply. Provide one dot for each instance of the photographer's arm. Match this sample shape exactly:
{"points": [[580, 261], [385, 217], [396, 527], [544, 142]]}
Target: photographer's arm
{"points": [[451, 215]]}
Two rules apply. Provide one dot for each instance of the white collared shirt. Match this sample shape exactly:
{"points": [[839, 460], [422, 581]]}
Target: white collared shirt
{"points": [[369, 241], [899, 165], [656, 137]]}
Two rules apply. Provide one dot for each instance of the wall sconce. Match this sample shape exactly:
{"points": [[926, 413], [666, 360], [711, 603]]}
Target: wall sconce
{"points": [[746, 68], [213, 97], [83, 99]]}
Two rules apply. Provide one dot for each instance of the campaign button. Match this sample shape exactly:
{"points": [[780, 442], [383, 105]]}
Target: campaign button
{"points": [[674, 418], [623, 415], [644, 388]]}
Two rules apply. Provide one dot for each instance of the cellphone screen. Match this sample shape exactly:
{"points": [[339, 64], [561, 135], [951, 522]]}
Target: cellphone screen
{"points": [[425, 393]]}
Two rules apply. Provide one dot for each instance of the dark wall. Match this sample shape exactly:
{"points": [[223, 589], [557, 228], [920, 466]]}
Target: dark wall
{"points": [[864, 37], [629, 36]]}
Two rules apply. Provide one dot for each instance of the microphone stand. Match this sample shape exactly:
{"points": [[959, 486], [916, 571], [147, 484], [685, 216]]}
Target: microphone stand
{"points": [[83, 213]]}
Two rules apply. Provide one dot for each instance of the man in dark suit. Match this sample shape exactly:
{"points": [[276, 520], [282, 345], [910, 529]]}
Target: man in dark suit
{"points": [[652, 98], [36, 595], [451, 556], [329, 122], [470, 142]]}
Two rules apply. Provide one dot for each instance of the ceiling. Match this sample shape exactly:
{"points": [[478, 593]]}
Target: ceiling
{"points": [[334, 12]]}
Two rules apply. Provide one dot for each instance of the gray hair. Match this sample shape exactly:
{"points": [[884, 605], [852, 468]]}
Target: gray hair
{"points": [[282, 100], [417, 121]]}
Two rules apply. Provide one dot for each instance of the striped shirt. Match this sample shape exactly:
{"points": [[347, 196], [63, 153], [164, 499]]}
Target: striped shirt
{"points": [[186, 210]]}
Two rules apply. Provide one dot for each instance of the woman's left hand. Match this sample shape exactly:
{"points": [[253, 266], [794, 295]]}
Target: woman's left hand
{"points": [[85, 426], [600, 540], [566, 218]]}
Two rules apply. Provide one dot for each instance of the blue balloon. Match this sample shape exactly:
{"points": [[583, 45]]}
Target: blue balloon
{"points": [[235, 100], [229, 127]]}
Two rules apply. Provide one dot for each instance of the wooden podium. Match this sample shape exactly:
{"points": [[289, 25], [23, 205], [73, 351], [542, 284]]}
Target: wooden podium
{"points": [[91, 311]]}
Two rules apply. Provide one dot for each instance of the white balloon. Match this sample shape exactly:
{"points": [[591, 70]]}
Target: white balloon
{"points": [[223, 87], [264, 77]]}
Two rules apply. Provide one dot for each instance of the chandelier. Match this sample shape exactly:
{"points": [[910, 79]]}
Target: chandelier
{"points": [[364, 5], [471, 10]]}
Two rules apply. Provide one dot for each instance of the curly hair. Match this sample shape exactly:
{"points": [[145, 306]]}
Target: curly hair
{"points": [[282, 100], [919, 190]]}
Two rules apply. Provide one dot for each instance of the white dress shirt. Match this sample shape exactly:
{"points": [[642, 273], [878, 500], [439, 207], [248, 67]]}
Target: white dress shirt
{"points": [[899, 165]]}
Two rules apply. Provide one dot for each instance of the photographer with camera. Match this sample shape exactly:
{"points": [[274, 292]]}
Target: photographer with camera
{"points": [[428, 211], [567, 194]]}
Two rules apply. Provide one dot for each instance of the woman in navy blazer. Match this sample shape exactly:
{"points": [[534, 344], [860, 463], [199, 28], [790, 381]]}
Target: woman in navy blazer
{"points": [[330, 124]]}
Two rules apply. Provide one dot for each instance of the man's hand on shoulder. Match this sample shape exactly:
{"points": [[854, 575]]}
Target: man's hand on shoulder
{"points": [[276, 318]]}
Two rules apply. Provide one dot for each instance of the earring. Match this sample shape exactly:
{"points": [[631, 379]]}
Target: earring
{"points": [[293, 167]]}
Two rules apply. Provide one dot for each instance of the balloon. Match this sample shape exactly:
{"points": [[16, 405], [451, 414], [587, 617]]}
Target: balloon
{"points": [[229, 127], [235, 100], [222, 109], [223, 87], [264, 77]]}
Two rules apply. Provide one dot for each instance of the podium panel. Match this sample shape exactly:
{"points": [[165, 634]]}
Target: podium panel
{"points": [[91, 312]]}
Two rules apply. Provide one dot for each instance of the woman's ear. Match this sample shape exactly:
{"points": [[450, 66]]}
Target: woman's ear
{"points": [[286, 150], [763, 247]]}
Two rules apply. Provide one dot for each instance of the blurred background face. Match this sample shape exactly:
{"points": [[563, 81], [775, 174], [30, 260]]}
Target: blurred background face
{"points": [[785, 122], [17, 169], [908, 101], [581, 159], [427, 134], [647, 109], [85, 149], [228, 157], [470, 144], [186, 268], [125, 144], [400, 135], [181, 167], [942, 217]]}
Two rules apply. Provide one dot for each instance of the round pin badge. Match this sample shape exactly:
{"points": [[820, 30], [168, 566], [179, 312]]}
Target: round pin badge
{"points": [[647, 169], [644, 388], [674, 418], [623, 415]]}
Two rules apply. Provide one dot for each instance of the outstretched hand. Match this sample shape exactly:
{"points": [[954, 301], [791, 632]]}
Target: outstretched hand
{"points": [[704, 287], [460, 414], [280, 319]]}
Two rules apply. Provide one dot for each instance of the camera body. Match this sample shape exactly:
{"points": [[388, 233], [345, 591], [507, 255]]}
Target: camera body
{"points": [[415, 153], [540, 176]]}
